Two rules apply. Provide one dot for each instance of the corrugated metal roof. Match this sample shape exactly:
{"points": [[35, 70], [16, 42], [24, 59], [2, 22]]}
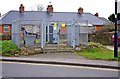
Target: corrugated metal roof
{"points": [[56, 16]]}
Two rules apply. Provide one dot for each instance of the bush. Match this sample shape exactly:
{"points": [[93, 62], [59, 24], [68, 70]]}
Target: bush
{"points": [[103, 36], [9, 49]]}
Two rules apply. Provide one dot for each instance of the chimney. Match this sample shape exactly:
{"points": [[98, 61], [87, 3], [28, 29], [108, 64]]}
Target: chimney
{"points": [[50, 9], [96, 14], [80, 10], [21, 8], [0, 14]]}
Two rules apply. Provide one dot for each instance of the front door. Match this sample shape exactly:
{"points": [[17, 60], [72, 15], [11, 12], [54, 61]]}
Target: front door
{"points": [[52, 34]]}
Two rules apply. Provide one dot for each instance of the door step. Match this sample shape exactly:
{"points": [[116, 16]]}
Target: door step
{"points": [[51, 48]]}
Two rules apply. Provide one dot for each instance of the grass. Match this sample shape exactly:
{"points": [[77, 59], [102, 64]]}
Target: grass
{"points": [[37, 41], [97, 51], [7, 48], [0, 47]]}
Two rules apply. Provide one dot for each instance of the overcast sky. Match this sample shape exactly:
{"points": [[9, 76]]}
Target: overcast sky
{"points": [[103, 7]]}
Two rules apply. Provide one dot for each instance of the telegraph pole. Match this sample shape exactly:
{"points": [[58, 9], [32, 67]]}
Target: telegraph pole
{"points": [[116, 33]]}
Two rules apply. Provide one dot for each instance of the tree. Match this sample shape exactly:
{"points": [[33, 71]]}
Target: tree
{"points": [[112, 17], [118, 16], [38, 7]]}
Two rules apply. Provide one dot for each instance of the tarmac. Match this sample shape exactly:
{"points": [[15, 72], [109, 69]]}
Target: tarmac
{"points": [[64, 58]]}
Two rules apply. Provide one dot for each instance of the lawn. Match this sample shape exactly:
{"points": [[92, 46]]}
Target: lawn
{"points": [[97, 51]]}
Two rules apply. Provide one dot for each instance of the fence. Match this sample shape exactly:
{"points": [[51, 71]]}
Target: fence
{"points": [[41, 33], [26, 32]]}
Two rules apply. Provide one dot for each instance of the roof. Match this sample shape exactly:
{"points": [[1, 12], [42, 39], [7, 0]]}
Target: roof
{"points": [[56, 16], [107, 21], [103, 18]]}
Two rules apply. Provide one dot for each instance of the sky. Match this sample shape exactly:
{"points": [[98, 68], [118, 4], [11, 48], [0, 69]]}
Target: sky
{"points": [[103, 7]]}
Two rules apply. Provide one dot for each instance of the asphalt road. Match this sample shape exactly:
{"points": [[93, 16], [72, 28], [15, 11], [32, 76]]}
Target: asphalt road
{"points": [[15, 69]]}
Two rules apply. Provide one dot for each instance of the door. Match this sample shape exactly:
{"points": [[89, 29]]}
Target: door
{"points": [[52, 34]]}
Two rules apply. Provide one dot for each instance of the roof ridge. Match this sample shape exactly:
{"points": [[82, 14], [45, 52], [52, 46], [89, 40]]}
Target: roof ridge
{"points": [[45, 11]]}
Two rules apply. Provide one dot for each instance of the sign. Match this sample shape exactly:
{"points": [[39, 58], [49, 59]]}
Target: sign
{"points": [[63, 25], [55, 26]]}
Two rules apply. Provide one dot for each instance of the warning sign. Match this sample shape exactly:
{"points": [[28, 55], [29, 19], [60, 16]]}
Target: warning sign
{"points": [[63, 25], [55, 26]]}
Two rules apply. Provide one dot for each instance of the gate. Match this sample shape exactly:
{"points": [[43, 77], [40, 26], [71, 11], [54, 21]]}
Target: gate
{"points": [[68, 33]]}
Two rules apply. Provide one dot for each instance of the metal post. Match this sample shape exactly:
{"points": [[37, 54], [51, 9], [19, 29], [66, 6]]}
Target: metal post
{"points": [[58, 33], [42, 34], [87, 32], [73, 35], [116, 33]]}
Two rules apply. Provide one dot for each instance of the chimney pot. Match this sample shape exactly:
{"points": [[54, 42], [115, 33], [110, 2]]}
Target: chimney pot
{"points": [[80, 10], [21, 8], [50, 9], [96, 14]]}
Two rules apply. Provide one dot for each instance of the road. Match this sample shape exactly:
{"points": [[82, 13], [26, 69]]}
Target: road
{"points": [[19, 69]]}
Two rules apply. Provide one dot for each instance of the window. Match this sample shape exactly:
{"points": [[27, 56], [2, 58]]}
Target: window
{"points": [[6, 28]]}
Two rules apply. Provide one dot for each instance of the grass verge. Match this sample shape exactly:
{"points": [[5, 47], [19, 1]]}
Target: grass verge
{"points": [[96, 51]]}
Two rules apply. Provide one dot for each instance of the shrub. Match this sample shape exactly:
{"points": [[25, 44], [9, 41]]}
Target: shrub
{"points": [[103, 36], [8, 48]]}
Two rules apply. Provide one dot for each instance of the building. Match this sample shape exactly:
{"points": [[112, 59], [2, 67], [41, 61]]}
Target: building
{"points": [[6, 20]]}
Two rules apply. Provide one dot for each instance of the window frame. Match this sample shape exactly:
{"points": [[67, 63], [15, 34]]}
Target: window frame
{"points": [[6, 28]]}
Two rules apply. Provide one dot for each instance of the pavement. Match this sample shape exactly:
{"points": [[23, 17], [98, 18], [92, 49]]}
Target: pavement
{"points": [[64, 58]]}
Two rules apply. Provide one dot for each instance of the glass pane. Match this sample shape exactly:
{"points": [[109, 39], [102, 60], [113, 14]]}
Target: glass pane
{"points": [[6, 28]]}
